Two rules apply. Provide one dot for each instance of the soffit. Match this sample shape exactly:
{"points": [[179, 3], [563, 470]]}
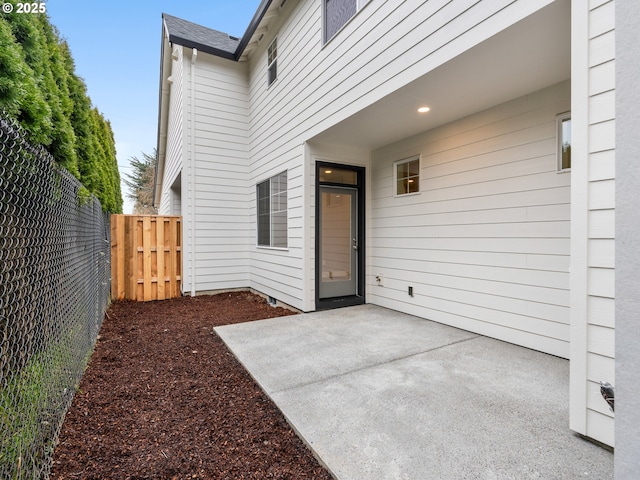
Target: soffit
{"points": [[269, 18]]}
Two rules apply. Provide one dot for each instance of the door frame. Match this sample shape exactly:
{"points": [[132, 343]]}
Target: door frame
{"points": [[359, 297]]}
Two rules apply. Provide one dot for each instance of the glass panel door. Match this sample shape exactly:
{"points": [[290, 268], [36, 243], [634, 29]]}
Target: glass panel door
{"points": [[338, 241]]}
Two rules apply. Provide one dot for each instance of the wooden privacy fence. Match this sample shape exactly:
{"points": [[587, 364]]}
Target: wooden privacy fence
{"points": [[146, 257]]}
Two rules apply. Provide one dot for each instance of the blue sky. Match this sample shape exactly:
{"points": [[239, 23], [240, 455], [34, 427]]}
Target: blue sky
{"points": [[116, 47]]}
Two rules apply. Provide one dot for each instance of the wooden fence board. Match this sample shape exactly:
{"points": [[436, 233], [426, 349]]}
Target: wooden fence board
{"points": [[175, 259], [131, 241], [117, 257], [145, 257], [147, 291], [160, 255]]}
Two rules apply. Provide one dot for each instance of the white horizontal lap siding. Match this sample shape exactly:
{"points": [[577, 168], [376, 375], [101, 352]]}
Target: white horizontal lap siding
{"points": [[485, 244], [220, 145], [386, 45], [274, 271], [278, 272], [175, 132], [600, 210]]}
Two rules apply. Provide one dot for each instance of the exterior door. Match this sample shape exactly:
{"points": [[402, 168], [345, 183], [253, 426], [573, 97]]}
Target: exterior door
{"points": [[340, 235], [338, 241]]}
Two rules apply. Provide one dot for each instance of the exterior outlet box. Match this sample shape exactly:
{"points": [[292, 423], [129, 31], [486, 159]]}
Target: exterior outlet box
{"points": [[380, 280]]}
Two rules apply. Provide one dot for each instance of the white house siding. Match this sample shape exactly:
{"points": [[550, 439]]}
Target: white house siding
{"points": [[384, 47], [627, 462], [175, 131], [218, 140], [593, 214], [485, 244], [175, 203]]}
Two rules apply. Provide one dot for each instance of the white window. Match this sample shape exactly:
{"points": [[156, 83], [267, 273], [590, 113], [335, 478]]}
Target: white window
{"points": [[272, 211], [337, 13], [563, 135], [272, 61], [406, 175]]}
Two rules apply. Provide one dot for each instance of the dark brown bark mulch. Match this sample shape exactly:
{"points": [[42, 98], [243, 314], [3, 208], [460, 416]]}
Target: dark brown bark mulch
{"points": [[163, 397]]}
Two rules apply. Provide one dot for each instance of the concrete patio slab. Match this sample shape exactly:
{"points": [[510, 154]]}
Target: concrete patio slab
{"points": [[382, 395]]}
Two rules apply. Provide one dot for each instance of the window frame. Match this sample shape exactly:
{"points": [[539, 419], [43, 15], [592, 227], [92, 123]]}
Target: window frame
{"points": [[360, 4], [560, 119], [403, 161], [281, 194], [272, 62]]}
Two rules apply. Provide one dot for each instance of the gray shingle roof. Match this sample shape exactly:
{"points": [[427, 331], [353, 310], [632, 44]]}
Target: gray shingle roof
{"points": [[192, 35]]}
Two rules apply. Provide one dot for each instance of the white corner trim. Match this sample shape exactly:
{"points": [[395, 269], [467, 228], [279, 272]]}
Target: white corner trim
{"points": [[579, 215], [191, 175]]}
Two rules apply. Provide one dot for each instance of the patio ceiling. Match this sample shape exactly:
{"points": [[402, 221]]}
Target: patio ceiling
{"points": [[528, 56]]}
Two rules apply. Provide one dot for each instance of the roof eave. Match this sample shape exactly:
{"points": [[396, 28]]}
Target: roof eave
{"points": [[165, 64], [201, 47], [251, 29]]}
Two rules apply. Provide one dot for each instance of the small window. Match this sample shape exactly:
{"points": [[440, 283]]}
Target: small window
{"points": [[272, 61], [337, 13], [407, 176], [563, 122], [338, 175], [272, 211]]}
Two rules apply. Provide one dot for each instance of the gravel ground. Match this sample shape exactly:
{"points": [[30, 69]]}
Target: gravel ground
{"points": [[163, 397]]}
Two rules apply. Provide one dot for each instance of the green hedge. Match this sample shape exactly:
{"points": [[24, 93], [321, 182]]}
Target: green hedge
{"points": [[40, 89]]}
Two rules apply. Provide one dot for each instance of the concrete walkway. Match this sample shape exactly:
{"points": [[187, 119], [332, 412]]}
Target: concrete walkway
{"points": [[378, 394]]}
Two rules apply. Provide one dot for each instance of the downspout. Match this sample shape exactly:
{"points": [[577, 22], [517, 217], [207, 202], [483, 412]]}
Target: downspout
{"points": [[192, 163]]}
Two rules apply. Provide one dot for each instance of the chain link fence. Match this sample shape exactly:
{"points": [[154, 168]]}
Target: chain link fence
{"points": [[54, 290]]}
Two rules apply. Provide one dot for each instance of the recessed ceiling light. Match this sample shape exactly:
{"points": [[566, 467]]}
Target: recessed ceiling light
{"points": [[423, 109], [327, 171]]}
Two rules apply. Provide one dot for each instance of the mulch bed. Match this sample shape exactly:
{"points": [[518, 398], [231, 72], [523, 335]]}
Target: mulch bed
{"points": [[163, 397]]}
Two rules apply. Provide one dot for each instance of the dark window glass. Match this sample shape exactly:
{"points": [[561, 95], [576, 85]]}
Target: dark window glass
{"points": [[272, 211], [408, 177], [337, 175], [337, 13], [272, 61], [264, 237], [566, 144]]}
